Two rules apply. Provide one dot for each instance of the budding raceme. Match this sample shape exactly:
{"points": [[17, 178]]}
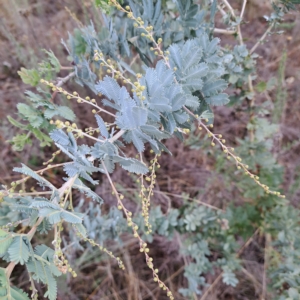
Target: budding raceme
{"points": [[146, 192], [231, 155], [101, 248]]}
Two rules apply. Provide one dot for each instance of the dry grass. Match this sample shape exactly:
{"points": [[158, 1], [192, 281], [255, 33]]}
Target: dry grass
{"points": [[28, 26]]}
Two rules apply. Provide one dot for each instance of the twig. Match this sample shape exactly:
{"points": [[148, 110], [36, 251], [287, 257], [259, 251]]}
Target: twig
{"points": [[34, 290], [116, 136], [211, 286], [229, 7], [65, 79], [249, 241], [61, 82], [238, 31], [243, 9], [264, 283], [220, 275], [179, 196], [222, 11], [66, 68], [53, 166], [224, 31], [254, 280], [262, 38], [57, 88]]}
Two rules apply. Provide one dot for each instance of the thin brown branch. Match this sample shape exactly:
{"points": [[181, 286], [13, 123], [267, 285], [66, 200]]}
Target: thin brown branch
{"points": [[211, 286], [61, 82], [224, 31], [243, 9], [178, 196], [220, 275], [231, 10], [264, 283], [227, 4], [262, 38]]}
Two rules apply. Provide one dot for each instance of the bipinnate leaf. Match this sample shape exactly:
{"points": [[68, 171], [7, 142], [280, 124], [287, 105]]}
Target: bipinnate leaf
{"points": [[19, 250], [102, 126], [8, 292], [5, 241], [30, 77]]}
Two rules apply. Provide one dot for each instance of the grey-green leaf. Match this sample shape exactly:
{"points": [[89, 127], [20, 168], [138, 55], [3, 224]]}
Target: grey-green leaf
{"points": [[19, 250]]}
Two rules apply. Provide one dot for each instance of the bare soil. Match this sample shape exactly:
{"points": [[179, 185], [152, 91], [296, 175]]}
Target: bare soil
{"points": [[28, 26]]}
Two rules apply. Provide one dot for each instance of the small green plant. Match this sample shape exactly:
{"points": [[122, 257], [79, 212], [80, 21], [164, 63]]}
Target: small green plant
{"points": [[185, 73]]}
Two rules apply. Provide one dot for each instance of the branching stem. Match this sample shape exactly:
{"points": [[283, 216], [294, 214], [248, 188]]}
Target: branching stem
{"points": [[143, 245], [227, 4], [31, 233]]}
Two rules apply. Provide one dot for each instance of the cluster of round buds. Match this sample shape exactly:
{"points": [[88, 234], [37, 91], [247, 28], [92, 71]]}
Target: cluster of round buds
{"points": [[186, 130], [13, 224], [91, 130], [89, 99], [14, 184], [6, 226], [111, 67], [59, 259], [73, 96], [68, 126], [147, 30], [217, 138], [92, 101], [157, 51], [11, 192], [139, 89], [128, 215], [148, 33], [54, 154], [116, 4], [144, 248], [98, 56], [149, 261], [146, 192], [54, 87], [143, 245], [101, 248]]}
